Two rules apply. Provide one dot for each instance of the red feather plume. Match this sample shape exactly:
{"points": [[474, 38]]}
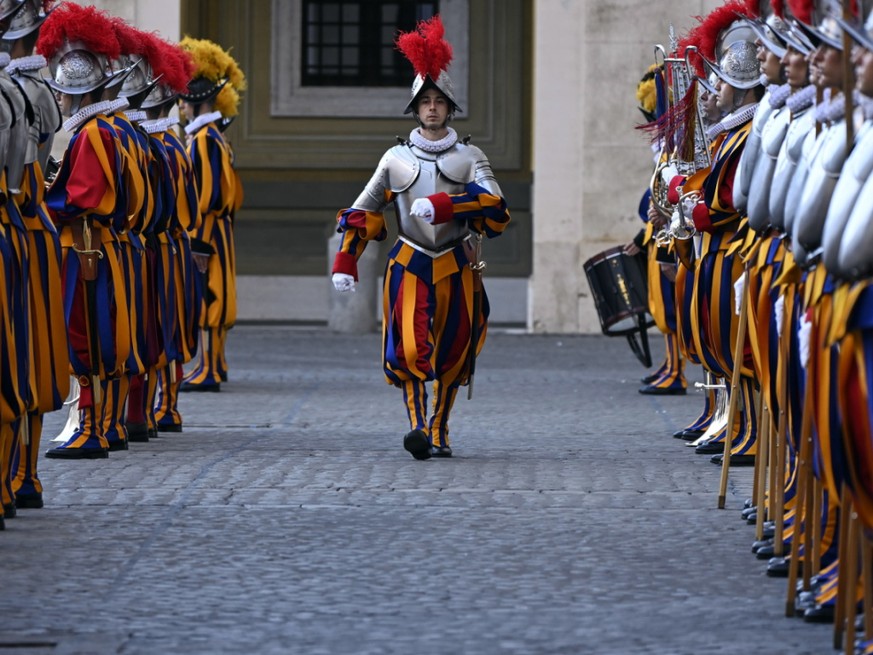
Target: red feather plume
{"points": [[129, 39], [173, 64], [802, 10], [425, 48], [71, 22]]}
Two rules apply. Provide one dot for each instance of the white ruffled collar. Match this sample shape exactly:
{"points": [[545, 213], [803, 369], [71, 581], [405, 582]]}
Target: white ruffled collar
{"points": [[119, 104], [419, 141], [733, 120], [201, 120], [799, 101], [779, 95], [78, 119], [26, 64], [153, 126], [136, 115]]}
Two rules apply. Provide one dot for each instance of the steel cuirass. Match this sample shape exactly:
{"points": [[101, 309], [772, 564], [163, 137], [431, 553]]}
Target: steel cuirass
{"points": [[746, 169], [772, 136], [824, 170], [811, 144], [47, 117], [18, 136], [786, 165], [411, 173], [855, 172]]}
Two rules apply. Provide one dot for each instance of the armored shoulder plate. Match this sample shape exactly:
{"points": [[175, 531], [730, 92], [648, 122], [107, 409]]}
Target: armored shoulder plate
{"points": [[465, 163], [18, 137], [397, 171], [772, 137], [824, 170], [798, 181], [749, 158], [786, 165], [848, 207], [856, 246]]}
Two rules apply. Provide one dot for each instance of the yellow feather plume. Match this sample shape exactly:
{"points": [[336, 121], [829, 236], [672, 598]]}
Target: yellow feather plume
{"points": [[214, 63]]}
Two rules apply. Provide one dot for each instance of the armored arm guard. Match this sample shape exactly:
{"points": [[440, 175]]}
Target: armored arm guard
{"points": [[750, 157], [772, 136]]}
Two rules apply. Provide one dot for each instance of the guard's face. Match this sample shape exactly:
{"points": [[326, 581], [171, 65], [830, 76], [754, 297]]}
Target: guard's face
{"points": [[187, 110], [862, 59], [831, 67], [433, 110], [796, 68], [725, 101], [770, 64]]}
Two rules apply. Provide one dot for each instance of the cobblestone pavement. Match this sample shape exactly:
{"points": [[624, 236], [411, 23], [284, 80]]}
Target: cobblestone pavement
{"points": [[287, 518]]}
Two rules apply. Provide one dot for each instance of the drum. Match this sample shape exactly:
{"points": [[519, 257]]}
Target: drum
{"points": [[620, 289]]}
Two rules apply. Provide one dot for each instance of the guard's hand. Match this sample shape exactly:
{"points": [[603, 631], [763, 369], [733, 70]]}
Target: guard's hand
{"points": [[343, 282], [422, 208], [804, 332], [739, 290], [668, 173], [632, 249], [668, 271]]}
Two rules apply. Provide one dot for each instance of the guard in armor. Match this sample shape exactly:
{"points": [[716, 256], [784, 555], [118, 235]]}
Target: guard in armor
{"points": [[16, 394], [446, 198], [715, 324], [50, 371], [219, 191]]}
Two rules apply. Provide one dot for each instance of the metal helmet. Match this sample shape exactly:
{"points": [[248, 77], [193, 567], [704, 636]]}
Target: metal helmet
{"points": [[430, 55], [739, 65], [821, 26], [29, 17], [443, 84], [862, 33], [75, 70], [9, 7], [770, 31], [213, 69]]}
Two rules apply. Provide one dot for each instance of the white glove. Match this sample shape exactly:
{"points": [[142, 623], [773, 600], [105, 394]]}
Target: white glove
{"points": [[676, 222], [803, 334], [779, 310], [739, 287], [343, 282], [422, 208], [688, 205], [668, 173]]}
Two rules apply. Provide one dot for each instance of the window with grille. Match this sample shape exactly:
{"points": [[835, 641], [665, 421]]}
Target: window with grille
{"points": [[351, 42], [336, 58]]}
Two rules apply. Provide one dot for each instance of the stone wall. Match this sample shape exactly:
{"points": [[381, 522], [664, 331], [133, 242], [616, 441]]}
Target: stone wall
{"points": [[590, 165]]}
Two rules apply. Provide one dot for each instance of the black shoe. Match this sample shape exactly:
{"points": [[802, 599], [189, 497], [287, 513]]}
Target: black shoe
{"points": [[169, 427], [117, 444], [819, 614], [2, 523], [710, 447], [28, 501], [137, 432], [153, 433], [650, 390], [9, 511], [417, 444], [778, 568], [688, 435], [766, 552], [736, 460], [758, 545], [748, 512], [441, 451], [77, 453], [769, 532], [187, 386], [748, 502], [648, 379]]}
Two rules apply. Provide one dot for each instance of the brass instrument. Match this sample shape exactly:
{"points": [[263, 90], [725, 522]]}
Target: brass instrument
{"points": [[679, 226]]}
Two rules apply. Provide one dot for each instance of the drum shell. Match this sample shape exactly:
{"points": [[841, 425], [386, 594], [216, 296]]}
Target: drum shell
{"points": [[619, 286]]}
